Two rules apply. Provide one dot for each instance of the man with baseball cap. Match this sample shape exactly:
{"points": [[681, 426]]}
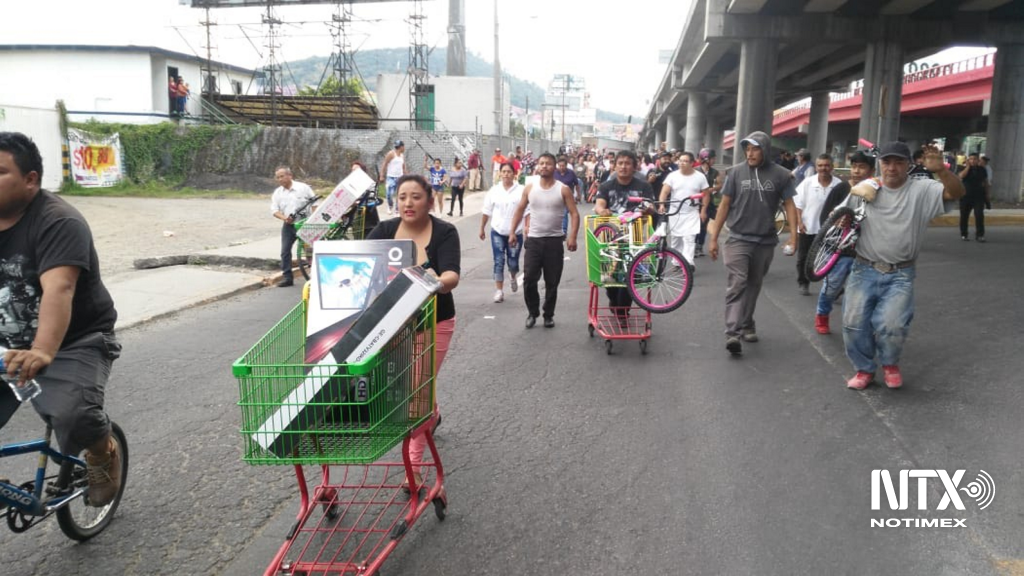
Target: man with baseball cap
{"points": [[751, 195], [879, 302]]}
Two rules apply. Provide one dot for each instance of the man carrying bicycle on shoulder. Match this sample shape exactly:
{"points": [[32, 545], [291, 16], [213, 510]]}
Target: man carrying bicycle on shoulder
{"points": [[289, 197], [879, 301], [57, 315]]}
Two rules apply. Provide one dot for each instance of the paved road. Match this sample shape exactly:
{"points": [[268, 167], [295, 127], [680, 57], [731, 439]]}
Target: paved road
{"points": [[562, 459]]}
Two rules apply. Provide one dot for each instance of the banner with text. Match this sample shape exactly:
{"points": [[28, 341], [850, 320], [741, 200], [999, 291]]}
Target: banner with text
{"points": [[95, 160]]}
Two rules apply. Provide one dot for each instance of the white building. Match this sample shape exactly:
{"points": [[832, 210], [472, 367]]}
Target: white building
{"points": [[127, 84], [461, 103], [567, 103]]}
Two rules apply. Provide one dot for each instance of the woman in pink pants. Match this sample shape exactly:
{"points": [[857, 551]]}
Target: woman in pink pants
{"points": [[437, 248]]}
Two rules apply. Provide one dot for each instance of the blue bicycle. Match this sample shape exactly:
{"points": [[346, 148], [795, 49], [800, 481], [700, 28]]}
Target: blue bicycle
{"points": [[65, 494]]}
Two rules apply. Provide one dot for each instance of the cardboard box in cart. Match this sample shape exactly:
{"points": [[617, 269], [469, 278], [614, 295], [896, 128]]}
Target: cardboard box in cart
{"points": [[336, 204], [308, 405]]}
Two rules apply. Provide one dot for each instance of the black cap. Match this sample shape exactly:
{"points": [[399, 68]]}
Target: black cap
{"points": [[863, 157], [894, 149], [665, 153]]}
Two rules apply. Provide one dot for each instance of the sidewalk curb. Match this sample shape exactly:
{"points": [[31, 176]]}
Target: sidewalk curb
{"points": [[222, 296], [953, 220]]}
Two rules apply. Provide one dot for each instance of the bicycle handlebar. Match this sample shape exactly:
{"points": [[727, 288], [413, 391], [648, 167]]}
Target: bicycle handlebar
{"points": [[693, 199]]}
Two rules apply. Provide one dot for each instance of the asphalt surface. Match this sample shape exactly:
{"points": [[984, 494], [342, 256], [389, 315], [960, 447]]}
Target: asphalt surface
{"points": [[562, 459]]}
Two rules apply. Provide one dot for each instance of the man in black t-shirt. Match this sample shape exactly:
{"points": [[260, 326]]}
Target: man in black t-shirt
{"points": [[656, 177], [974, 177], [613, 198], [56, 315]]}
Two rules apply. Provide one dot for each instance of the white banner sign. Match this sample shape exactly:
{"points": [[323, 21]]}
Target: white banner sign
{"points": [[95, 160]]}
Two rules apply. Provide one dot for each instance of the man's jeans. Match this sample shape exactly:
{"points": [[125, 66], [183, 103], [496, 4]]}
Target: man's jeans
{"points": [[502, 252], [877, 311], [391, 186], [287, 240], [833, 284]]}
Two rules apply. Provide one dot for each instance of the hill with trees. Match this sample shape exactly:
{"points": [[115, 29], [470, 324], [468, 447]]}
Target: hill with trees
{"points": [[310, 73]]}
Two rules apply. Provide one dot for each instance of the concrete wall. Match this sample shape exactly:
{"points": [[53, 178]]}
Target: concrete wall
{"points": [[464, 104], [43, 126], [461, 104]]}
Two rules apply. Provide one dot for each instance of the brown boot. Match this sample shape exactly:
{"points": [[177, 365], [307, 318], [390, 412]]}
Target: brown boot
{"points": [[104, 473], [821, 324]]}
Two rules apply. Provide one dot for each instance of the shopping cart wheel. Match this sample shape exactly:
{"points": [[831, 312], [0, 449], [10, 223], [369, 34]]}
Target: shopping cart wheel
{"points": [[590, 328], [608, 347], [440, 508], [643, 347], [327, 498]]}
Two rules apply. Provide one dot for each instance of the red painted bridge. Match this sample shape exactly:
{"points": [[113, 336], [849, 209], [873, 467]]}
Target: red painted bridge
{"points": [[951, 90]]}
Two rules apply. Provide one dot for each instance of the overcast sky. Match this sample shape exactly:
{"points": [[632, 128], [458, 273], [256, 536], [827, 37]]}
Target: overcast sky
{"points": [[616, 52]]}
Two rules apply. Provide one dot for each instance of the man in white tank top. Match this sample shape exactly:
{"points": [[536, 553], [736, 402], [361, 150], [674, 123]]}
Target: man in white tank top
{"points": [[548, 199], [391, 170]]}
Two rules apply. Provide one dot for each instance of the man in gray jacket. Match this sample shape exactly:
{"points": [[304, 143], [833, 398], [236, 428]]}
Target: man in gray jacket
{"points": [[751, 195]]}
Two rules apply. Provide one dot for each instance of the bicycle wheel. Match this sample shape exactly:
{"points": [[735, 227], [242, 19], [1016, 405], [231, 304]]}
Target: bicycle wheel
{"points": [[780, 221], [605, 233], [77, 519], [303, 256], [826, 247], [659, 280]]}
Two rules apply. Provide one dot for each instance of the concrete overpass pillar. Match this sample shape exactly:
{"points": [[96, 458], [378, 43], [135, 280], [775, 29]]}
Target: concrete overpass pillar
{"points": [[817, 135], [696, 120], [658, 138], [713, 136], [673, 126], [756, 96], [883, 91], [1005, 143]]}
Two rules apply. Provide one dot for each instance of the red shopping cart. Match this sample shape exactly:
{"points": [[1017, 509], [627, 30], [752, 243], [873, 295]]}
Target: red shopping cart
{"points": [[356, 515]]}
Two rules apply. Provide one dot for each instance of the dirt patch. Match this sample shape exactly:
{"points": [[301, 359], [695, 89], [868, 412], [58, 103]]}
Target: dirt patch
{"points": [[245, 182], [126, 229]]}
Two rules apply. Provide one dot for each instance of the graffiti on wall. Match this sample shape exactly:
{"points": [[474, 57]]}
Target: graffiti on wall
{"points": [[95, 160]]}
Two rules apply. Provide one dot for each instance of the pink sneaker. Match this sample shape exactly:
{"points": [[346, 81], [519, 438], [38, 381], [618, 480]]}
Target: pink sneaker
{"points": [[860, 380], [893, 378]]}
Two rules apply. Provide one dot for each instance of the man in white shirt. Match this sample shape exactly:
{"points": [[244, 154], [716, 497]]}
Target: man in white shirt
{"points": [[684, 225], [289, 202], [810, 198]]}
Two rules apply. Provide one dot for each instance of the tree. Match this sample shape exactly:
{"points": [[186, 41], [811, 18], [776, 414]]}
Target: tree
{"points": [[332, 86]]}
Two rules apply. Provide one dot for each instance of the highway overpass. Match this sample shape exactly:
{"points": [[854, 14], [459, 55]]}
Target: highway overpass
{"points": [[737, 61]]}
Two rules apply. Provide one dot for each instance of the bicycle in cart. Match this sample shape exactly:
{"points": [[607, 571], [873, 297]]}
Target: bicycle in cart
{"points": [[623, 251], [351, 226], [364, 410]]}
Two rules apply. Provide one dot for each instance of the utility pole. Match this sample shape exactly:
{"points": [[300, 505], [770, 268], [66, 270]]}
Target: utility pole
{"points": [[565, 88], [526, 122], [498, 116]]}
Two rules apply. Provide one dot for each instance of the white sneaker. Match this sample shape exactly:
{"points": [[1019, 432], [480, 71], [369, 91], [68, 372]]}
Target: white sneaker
{"points": [[513, 284], [499, 296]]}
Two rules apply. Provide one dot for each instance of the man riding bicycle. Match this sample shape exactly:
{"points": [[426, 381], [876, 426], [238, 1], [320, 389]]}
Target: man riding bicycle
{"points": [[59, 322]]}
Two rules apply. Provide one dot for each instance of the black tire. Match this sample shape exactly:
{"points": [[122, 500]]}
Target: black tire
{"points": [[440, 508], [608, 347], [671, 291], [643, 347], [590, 328], [77, 520], [303, 254], [825, 242]]}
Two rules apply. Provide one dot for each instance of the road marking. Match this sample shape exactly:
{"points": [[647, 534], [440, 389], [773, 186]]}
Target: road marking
{"points": [[488, 317]]}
